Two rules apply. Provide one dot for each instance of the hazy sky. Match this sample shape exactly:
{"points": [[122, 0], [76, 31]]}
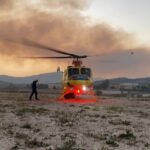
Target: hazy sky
{"points": [[109, 29], [131, 15]]}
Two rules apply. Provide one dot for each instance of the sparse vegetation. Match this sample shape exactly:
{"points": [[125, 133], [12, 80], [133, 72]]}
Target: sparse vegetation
{"points": [[69, 142], [120, 122], [96, 108], [27, 126], [97, 136], [6, 106], [103, 117], [127, 123], [16, 146], [35, 143], [21, 135], [128, 135], [147, 145], [10, 132], [87, 107], [36, 130], [68, 145], [65, 118], [112, 143], [115, 109], [67, 136], [143, 114], [104, 148], [32, 110], [94, 115]]}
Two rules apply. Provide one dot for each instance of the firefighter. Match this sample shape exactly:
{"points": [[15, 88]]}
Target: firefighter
{"points": [[34, 90]]}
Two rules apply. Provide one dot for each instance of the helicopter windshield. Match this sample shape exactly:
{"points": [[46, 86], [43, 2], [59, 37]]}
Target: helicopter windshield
{"points": [[79, 77], [86, 71], [73, 71]]}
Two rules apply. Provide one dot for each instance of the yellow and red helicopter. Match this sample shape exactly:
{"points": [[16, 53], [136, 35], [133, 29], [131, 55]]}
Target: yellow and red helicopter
{"points": [[77, 79]]}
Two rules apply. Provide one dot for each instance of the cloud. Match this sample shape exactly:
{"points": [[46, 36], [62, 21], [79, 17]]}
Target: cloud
{"points": [[68, 33], [6, 4], [73, 4], [51, 4]]}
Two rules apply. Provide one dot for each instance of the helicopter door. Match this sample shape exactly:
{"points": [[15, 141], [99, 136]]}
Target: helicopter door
{"points": [[65, 76]]}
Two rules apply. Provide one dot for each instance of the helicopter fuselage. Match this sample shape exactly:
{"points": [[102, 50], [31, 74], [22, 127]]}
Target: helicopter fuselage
{"points": [[77, 81]]}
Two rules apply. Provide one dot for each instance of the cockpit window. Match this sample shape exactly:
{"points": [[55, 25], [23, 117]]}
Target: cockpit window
{"points": [[73, 71], [79, 77], [86, 71]]}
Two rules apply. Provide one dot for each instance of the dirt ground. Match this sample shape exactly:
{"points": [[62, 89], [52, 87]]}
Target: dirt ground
{"points": [[49, 124]]}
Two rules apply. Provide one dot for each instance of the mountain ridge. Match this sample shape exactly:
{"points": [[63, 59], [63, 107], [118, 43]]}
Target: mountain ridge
{"points": [[44, 78], [56, 77], [142, 80]]}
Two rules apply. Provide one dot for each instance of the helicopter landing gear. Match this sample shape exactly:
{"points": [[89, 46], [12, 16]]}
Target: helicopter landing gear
{"points": [[69, 96]]}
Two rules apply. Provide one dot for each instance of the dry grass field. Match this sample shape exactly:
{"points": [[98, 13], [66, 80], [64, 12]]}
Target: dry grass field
{"points": [[48, 124]]}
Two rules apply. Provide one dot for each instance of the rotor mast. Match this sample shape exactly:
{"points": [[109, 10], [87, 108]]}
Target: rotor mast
{"points": [[77, 62]]}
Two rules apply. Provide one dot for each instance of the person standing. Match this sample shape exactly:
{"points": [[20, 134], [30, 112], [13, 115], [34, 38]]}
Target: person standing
{"points": [[34, 90]]}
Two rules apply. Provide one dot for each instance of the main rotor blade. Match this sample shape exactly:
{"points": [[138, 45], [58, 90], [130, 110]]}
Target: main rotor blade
{"points": [[38, 45], [61, 57]]}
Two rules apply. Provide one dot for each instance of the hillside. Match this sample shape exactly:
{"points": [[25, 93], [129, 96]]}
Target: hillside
{"points": [[56, 77], [46, 78], [126, 80]]}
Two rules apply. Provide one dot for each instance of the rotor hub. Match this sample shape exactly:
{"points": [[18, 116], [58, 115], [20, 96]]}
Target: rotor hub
{"points": [[77, 63]]}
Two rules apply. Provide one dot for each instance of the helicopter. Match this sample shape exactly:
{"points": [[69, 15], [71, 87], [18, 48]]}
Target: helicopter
{"points": [[77, 78]]}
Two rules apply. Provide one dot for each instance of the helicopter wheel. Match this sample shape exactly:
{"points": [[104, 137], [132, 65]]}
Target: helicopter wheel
{"points": [[69, 96]]}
